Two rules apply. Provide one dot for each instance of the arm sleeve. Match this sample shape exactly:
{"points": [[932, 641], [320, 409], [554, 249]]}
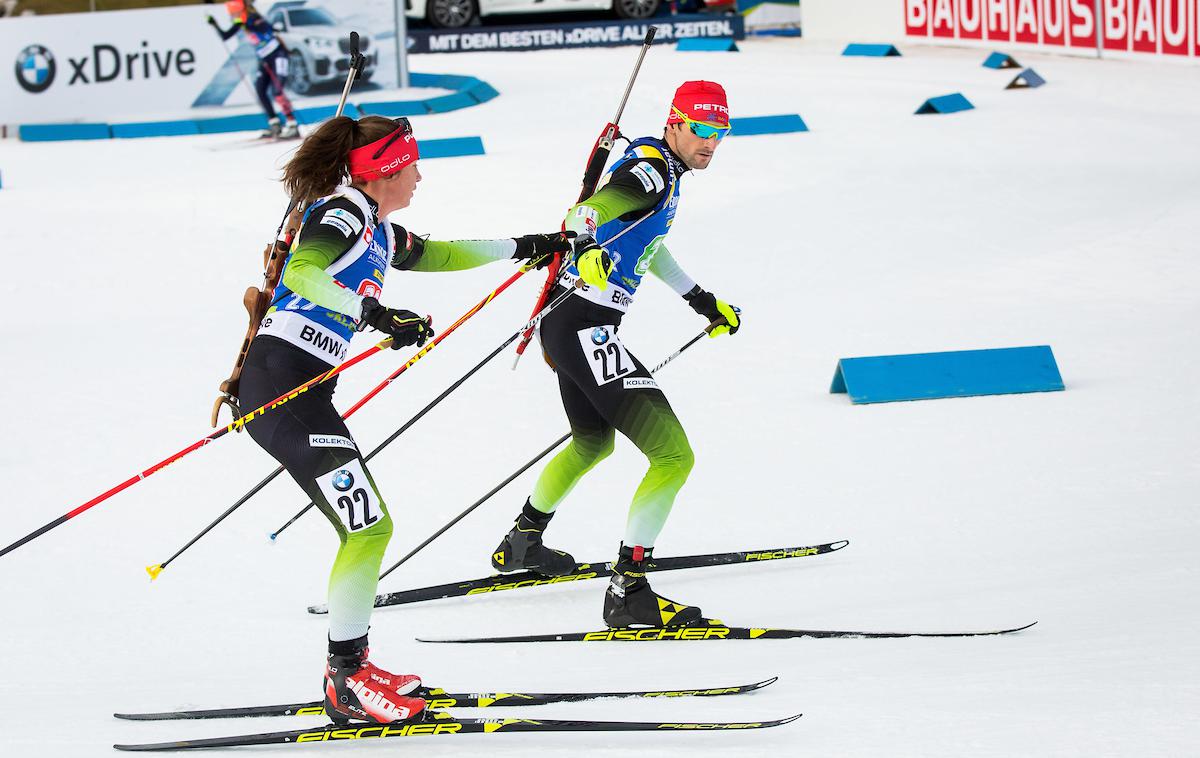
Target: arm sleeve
{"points": [[415, 253], [325, 237], [230, 32], [663, 266], [636, 186]]}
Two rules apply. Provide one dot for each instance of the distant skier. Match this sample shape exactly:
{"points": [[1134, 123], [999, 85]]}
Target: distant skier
{"points": [[329, 288], [620, 231], [272, 65]]}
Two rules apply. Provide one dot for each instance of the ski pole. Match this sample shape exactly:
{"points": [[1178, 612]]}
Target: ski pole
{"points": [[529, 464], [392, 437], [233, 426], [157, 568], [591, 176], [237, 67]]}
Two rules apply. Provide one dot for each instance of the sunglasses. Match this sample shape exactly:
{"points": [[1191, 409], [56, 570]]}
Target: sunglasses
{"points": [[702, 129], [403, 127]]}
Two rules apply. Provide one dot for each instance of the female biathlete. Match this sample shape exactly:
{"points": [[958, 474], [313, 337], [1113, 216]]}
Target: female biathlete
{"points": [[329, 288], [620, 231], [272, 65]]}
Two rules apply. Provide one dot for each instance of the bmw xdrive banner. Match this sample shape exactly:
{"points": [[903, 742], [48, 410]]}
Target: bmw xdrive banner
{"points": [[168, 62], [116, 65]]}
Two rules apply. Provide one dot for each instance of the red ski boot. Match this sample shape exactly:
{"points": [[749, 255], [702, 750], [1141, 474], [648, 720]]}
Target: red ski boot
{"points": [[357, 689]]}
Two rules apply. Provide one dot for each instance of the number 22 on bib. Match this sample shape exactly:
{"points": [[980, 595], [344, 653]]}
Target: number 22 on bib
{"points": [[351, 495], [606, 355]]}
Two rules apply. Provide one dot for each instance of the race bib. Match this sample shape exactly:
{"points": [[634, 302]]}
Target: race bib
{"points": [[606, 355], [351, 495]]}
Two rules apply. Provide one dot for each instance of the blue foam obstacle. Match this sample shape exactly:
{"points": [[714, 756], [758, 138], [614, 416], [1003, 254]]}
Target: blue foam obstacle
{"points": [[225, 124], [872, 51], [154, 129], [395, 108], [451, 147], [707, 45], [960, 373], [951, 103], [482, 92], [1001, 60], [1027, 79], [57, 132], [450, 102], [749, 126]]}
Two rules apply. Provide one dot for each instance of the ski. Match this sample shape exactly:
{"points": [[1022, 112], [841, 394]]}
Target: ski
{"points": [[714, 632], [441, 724], [439, 698], [599, 570]]}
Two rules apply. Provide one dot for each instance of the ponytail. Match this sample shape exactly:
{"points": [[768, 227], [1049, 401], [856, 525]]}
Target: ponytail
{"points": [[320, 164]]}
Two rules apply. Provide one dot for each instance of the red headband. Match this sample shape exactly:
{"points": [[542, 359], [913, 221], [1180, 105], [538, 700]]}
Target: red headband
{"points": [[700, 101], [401, 151]]}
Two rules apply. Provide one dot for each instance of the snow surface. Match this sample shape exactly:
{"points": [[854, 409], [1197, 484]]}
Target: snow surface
{"points": [[1064, 216]]}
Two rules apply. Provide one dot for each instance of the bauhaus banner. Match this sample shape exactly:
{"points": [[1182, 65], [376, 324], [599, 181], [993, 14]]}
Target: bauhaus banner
{"points": [[1157, 27]]}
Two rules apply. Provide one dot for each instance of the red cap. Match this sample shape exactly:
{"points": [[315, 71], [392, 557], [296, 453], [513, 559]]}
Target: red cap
{"points": [[700, 101], [365, 167], [235, 7]]}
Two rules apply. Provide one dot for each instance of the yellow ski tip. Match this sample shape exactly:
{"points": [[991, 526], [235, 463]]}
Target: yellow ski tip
{"points": [[154, 571]]}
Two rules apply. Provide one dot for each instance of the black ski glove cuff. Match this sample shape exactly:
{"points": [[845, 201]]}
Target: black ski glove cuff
{"points": [[704, 303]]}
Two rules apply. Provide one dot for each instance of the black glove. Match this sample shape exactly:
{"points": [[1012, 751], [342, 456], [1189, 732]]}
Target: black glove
{"points": [[542, 247], [708, 306], [404, 327]]}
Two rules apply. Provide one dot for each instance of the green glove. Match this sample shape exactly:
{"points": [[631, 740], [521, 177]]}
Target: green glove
{"points": [[593, 262], [708, 306]]}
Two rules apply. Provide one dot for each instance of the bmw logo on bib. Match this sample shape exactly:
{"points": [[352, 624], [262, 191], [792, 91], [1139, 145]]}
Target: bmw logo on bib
{"points": [[599, 335], [343, 480]]}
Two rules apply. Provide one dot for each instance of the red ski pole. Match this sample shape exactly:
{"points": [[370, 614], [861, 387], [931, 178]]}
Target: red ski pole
{"points": [[157, 568], [235, 425]]}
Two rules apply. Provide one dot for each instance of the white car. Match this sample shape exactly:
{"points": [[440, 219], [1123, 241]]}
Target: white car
{"points": [[318, 46], [453, 14]]}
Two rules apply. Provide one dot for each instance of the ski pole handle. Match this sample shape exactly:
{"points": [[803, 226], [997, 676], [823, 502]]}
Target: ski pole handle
{"points": [[356, 65], [636, 68]]}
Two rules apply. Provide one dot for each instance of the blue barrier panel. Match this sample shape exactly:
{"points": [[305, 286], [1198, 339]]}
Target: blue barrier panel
{"points": [[394, 108], [873, 51], [449, 102], [707, 45], [1001, 60], [481, 92], [452, 147], [155, 129], [960, 373], [442, 81], [243, 123], [57, 132], [317, 114], [1027, 79], [748, 126], [945, 104]]}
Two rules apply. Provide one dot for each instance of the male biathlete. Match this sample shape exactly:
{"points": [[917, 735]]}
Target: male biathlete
{"points": [[620, 231], [329, 288], [272, 65]]}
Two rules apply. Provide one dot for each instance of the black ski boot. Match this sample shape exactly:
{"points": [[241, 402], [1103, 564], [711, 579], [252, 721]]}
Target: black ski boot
{"points": [[630, 601], [522, 547]]}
